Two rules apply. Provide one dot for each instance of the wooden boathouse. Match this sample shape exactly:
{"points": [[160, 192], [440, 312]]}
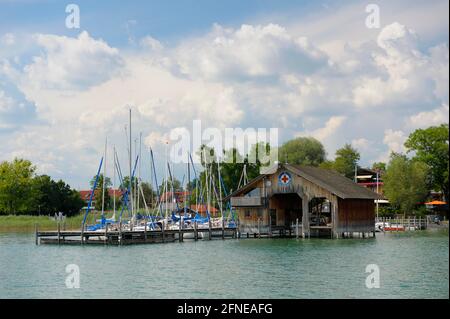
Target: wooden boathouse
{"points": [[304, 200]]}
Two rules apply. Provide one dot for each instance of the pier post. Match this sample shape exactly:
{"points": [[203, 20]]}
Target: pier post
{"points": [[59, 232], [270, 226], [195, 231], [106, 234], [36, 233], [145, 229], [120, 233], [259, 228], [209, 229], [296, 228], [163, 225], [223, 228], [238, 227], [180, 229]]}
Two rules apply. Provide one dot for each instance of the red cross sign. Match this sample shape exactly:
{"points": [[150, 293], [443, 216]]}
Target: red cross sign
{"points": [[284, 178]]}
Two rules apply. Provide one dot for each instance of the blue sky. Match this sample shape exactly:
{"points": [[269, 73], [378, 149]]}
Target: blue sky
{"points": [[308, 68]]}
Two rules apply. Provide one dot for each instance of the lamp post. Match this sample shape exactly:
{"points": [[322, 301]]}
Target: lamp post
{"points": [[378, 190]]}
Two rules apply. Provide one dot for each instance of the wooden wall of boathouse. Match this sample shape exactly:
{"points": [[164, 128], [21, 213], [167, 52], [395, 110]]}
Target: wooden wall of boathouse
{"points": [[265, 198]]}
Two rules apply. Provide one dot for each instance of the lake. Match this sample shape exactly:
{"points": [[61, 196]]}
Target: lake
{"points": [[412, 265]]}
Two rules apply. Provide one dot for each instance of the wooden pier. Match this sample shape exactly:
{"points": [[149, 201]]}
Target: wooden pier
{"points": [[126, 237]]}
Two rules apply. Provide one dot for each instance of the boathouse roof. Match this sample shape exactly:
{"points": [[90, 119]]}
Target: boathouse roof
{"points": [[330, 180]]}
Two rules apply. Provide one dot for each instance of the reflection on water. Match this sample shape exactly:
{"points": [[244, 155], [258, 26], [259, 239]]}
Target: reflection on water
{"points": [[412, 265]]}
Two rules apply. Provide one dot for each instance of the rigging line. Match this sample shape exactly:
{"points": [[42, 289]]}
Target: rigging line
{"points": [[156, 182], [92, 193], [171, 186], [132, 176]]}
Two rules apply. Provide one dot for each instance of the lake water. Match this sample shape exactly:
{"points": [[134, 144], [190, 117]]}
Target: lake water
{"points": [[412, 265]]}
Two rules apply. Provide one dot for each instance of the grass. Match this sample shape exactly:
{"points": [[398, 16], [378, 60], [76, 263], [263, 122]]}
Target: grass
{"points": [[26, 223]]}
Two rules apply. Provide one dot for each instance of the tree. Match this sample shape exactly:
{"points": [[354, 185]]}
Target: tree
{"points": [[405, 182], [69, 200], [176, 186], [430, 146], [16, 179], [51, 197], [99, 192], [302, 151], [149, 194], [379, 166], [346, 160]]}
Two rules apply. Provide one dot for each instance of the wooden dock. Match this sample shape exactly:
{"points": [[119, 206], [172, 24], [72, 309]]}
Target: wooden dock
{"points": [[109, 237]]}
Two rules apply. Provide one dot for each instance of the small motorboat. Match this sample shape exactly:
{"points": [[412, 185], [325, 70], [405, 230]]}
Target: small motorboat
{"points": [[384, 226]]}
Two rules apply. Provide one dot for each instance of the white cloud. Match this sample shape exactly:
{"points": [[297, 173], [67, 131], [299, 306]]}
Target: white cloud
{"points": [[395, 140], [361, 144], [429, 118], [72, 63], [6, 102], [246, 53], [403, 72], [251, 76], [8, 39], [331, 126]]}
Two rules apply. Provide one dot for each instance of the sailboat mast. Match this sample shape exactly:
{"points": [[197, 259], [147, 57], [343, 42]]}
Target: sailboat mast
{"points": [[131, 184], [114, 183], [104, 181], [165, 183], [139, 170]]}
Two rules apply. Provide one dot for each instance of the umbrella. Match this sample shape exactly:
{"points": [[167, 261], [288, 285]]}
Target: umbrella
{"points": [[436, 202]]}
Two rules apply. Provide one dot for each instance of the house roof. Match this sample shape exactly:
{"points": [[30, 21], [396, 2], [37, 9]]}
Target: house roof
{"points": [[86, 194], [334, 182], [330, 180]]}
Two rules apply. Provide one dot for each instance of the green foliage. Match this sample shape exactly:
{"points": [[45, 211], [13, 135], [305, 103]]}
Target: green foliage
{"points": [[99, 192], [175, 183], [149, 194], [405, 182], [302, 151], [388, 211], [430, 146], [16, 180], [379, 166], [22, 192], [346, 160]]}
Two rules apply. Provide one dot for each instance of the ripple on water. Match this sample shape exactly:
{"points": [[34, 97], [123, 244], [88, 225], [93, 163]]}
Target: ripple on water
{"points": [[412, 265]]}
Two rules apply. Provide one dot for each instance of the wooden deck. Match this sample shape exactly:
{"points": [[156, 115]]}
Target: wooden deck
{"points": [[115, 237]]}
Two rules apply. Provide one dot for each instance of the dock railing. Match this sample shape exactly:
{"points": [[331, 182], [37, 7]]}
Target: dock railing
{"points": [[408, 223]]}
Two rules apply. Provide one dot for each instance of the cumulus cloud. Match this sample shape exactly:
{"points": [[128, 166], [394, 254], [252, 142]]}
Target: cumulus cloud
{"points": [[429, 118], [395, 140], [331, 126], [249, 76], [72, 63], [6, 102], [247, 53], [404, 73]]}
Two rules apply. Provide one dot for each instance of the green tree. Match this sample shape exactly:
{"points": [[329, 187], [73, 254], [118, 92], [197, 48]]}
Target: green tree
{"points": [[99, 192], [379, 166], [176, 186], [149, 194], [44, 199], [346, 160], [405, 182], [51, 197], [430, 146], [302, 151], [16, 180]]}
